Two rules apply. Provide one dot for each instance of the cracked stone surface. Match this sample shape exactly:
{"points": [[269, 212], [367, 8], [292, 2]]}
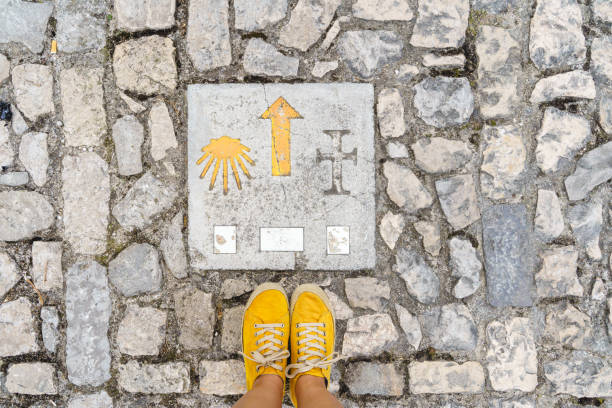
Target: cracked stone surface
{"points": [[34, 156], [17, 330], [23, 214], [33, 87], [142, 331], [146, 65], [83, 106], [261, 58], [441, 24], [366, 52], [421, 281], [25, 23], [512, 361], [450, 327], [136, 270], [443, 101], [145, 14], [573, 84], [309, 19]]}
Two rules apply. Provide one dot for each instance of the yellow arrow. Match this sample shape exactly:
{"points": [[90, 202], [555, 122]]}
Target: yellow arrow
{"points": [[281, 113]]}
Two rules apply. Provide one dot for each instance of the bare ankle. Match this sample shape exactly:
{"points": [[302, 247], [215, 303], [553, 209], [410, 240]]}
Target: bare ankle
{"points": [[307, 383]]}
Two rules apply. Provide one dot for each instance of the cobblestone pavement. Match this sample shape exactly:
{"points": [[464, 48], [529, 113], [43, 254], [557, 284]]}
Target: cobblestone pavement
{"points": [[474, 182]]}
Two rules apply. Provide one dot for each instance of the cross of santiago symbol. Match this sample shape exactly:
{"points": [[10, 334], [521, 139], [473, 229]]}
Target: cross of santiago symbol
{"points": [[336, 157]]}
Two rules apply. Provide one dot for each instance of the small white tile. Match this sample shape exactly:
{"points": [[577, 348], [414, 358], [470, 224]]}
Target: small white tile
{"points": [[281, 239], [224, 239], [338, 240]]}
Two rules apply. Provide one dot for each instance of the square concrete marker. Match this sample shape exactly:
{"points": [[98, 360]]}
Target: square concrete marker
{"points": [[338, 240], [282, 159], [224, 239]]}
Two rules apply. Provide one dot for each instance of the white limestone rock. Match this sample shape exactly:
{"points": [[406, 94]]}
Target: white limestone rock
{"points": [[19, 124], [167, 378], [341, 310], [50, 331], [17, 328], [512, 360], [132, 104], [7, 153], [47, 265], [465, 264], [222, 377], [605, 111], [444, 102], [173, 248], [443, 61], [450, 328], [548, 222], [441, 24], [9, 274], [231, 288], [557, 277], [31, 379], [322, 68], [88, 312], [128, 136], [498, 69], [136, 270], [231, 334], [81, 25], [430, 235], [586, 221], [86, 193], [421, 281], [208, 37], [573, 84], [602, 10], [365, 52], [367, 293], [601, 60], [33, 89], [161, 130], [138, 15], [561, 136], [410, 326], [23, 214], [262, 58], [97, 400], [147, 198], [309, 20], [599, 291], [390, 109], [556, 40], [82, 98], [569, 327], [14, 178], [439, 155], [593, 169], [25, 22], [368, 335], [580, 375], [504, 157], [34, 156], [397, 150], [5, 68], [142, 331], [405, 189], [445, 377], [391, 227], [458, 199], [145, 65], [195, 313], [374, 379], [383, 10], [406, 72], [256, 15]]}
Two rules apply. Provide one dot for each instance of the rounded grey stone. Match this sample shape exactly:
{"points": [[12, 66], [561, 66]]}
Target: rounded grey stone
{"points": [[136, 270]]}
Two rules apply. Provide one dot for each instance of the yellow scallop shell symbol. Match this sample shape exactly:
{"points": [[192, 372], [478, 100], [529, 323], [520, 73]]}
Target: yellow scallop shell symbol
{"points": [[225, 150]]}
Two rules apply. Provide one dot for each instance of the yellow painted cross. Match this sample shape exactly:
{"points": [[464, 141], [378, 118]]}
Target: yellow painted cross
{"points": [[280, 113]]}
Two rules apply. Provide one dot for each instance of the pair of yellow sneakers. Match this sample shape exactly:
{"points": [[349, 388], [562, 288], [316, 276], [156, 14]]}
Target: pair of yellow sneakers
{"points": [[269, 323]]}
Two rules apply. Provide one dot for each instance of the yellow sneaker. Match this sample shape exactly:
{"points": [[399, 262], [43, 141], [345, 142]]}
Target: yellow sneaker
{"points": [[313, 332], [265, 333]]}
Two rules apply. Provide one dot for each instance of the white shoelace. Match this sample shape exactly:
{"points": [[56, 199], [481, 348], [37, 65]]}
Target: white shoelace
{"points": [[269, 351], [311, 348]]}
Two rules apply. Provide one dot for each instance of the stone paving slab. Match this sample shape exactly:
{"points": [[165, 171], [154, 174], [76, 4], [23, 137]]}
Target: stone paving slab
{"points": [[330, 181]]}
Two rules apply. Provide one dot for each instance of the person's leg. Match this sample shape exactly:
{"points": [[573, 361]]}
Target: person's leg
{"points": [[310, 392], [267, 392]]}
